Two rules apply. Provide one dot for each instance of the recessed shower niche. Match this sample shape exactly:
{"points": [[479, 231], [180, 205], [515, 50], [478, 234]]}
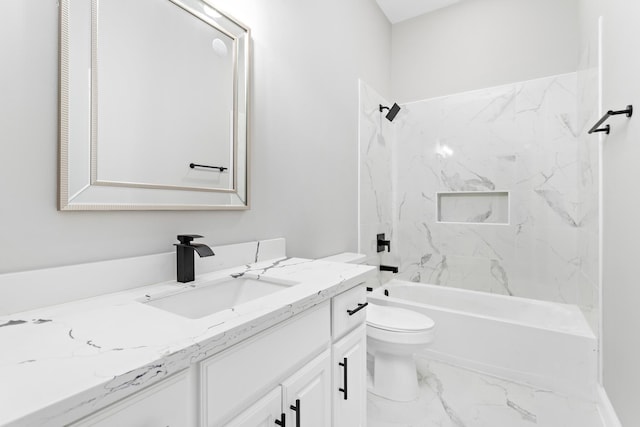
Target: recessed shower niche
{"points": [[473, 207]]}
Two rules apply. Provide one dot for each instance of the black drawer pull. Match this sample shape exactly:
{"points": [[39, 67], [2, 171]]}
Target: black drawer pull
{"points": [[360, 307], [281, 422], [344, 377], [297, 409]]}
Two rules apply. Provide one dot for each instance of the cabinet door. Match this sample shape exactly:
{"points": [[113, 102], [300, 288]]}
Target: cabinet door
{"points": [[350, 380], [163, 404], [263, 413], [232, 380], [306, 396]]}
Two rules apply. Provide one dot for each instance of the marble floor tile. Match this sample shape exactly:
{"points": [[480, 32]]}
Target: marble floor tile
{"points": [[451, 396]]}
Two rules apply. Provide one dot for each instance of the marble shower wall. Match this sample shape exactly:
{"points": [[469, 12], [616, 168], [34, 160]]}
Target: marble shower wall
{"points": [[376, 140], [525, 139], [588, 77]]}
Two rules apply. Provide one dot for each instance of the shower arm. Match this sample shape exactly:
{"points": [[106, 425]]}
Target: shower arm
{"points": [[393, 111]]}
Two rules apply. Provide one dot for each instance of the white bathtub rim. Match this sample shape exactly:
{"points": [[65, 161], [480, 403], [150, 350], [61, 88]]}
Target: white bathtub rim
{"points": [[378, 294]]}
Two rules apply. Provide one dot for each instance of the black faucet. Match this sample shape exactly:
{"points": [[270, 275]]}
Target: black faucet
{"points": [[388, 268], [184, 253], [382, 243]]}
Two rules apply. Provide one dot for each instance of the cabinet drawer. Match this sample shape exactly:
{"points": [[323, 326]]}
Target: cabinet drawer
{"points": [[343, 322], [233, 379]]}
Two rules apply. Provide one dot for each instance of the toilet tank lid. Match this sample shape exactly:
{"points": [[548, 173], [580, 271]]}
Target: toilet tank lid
{"points": [[397, 319], [346, 257]]}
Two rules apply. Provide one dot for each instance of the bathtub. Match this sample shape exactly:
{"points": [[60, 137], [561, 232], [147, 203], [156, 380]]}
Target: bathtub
{"points": [[543, 344]]}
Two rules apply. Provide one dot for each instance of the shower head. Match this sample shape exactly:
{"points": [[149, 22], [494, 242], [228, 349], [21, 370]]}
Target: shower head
{"points": [[393, 111]]}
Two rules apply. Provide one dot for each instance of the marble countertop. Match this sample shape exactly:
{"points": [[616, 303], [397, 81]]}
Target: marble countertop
{"points": [[63, 362]]}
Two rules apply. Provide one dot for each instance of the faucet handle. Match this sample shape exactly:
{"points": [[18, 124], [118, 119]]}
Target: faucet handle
{"points": [[382, 243], [186, 239]]}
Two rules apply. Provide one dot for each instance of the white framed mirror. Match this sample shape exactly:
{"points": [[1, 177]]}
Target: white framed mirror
{"points": [[153, 106]]}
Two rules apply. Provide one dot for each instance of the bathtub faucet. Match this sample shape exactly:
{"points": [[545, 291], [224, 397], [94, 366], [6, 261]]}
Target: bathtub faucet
{"points": [[382, 243], [388, 268]]}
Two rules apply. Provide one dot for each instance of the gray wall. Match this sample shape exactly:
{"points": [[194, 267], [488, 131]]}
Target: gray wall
{"points": [[621, 210], [477, 44], [305, 137]]}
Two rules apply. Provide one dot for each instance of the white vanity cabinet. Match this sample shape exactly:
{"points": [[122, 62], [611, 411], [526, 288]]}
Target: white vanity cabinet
{"points": [[306, 395], [263, 413], [302, 399], [350, 380], [324, 353], [349, 358], [167, 403], [294, 354], [309, 370]]}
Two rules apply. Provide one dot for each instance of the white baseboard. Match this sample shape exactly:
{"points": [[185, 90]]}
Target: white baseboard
{"points": [[605, 408]]}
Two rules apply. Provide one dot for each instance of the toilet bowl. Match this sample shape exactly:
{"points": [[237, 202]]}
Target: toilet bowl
{"points": [[394, 335]]}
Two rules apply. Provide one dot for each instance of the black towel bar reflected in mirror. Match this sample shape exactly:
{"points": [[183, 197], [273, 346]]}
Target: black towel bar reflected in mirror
{"points": [[195, 165]]}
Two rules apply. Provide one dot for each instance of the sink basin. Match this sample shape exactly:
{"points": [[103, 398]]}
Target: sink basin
{"points": [[217, 296]]}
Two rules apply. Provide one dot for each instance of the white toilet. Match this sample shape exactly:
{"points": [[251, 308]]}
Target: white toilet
{"points": [[394, 335]]}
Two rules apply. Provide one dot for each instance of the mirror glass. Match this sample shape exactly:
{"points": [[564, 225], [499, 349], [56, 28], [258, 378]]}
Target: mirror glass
{"points": [[153, 106]]}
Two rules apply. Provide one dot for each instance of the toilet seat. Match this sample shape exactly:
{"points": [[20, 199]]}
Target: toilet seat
{"points": [[396, 319], [397, 325]]}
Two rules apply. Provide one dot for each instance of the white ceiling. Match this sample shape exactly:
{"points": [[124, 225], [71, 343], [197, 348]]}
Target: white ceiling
{"points": [[399, 10]]}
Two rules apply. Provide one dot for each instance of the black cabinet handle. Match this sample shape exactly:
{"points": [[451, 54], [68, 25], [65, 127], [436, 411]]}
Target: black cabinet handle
{"points": [[355, 310], [344, 376], [281, 422], [297, 409]]}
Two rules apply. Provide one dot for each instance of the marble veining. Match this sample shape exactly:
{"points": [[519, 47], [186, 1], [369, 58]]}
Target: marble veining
{"points": [[455, 182], [588, 166], [20, 322], [451, 396], [527, 139], [63, 362]]}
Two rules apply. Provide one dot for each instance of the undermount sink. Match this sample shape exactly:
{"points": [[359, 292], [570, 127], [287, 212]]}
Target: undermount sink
{"points": [[217, 296]]}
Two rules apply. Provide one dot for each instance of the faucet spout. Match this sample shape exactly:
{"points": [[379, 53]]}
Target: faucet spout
{"points": [[184, 256], [388, 268], [202, 250]]}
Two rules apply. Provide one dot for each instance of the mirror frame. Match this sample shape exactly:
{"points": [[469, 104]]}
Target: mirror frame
{"points": [[97, 195]]}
